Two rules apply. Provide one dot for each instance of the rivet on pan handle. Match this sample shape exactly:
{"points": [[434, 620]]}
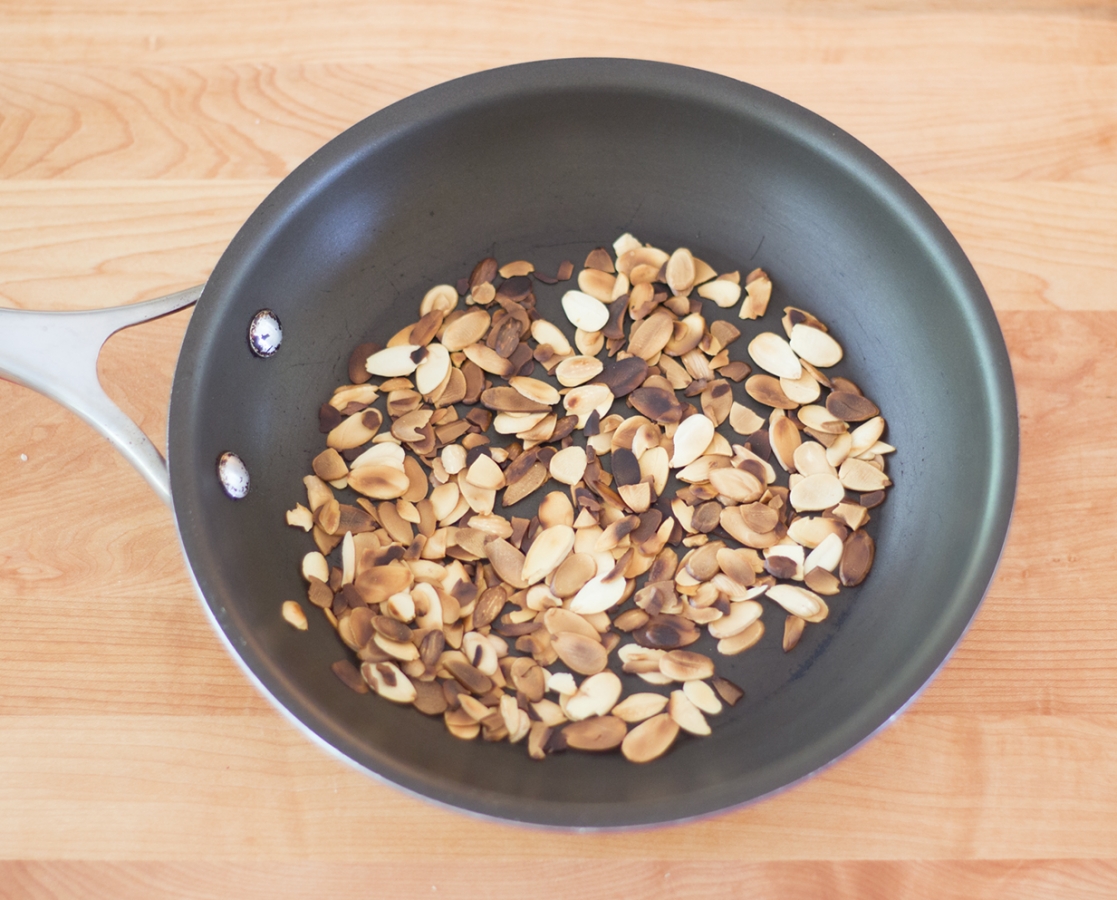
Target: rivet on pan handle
{"points": [[55, 353]]}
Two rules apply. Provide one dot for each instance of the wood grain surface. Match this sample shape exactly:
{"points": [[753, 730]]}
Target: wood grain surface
{"points": [[135, 758]]}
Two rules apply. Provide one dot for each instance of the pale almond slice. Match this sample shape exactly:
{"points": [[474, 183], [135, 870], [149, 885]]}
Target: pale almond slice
{"points": [[596, 696], [548, 333], [858, 475], [598, 595], [314, 565], [815, 346], [743, 420], [569, 465], [578, 370], [736, 484], [516, 423], [549, 549], [652, 257], [444, 499], [827, 555], [650, 739], [625, 243], [743, 641], [597, 284], [300, 517], [536, 390], [820, 419], [810, 458], [773, 354], [680, 271], [453, 458], [385, 454], [758, 289], [817, 492], [583, 400], [394, 361], [432, 371], [485, 473], [381, 482], [785, 440], [724, 293], [703, 696], [799, 601], [741, 615], [839, 450], [691, 439], [650, 337], [488, 360], [865, 436], [584, 311], [442, 297], [686, 715], [480, 499], [803, 390], [579, 653]]}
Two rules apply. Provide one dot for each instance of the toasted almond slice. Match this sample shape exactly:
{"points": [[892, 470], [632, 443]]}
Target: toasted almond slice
{"points": [[649, 337], [741, 642], [430, 373], [692, 437], [652, 257], [573, 574], [686, 715], [743, 420], [857, 558], [394, 361], [480, 499], [686, 665], [548, 333], [724, 293], [581, 402], [379, 481], [741, 615], [488, 360], [596, 696], [810, 531], [736, 484], [579, 653], [383, 454], [468, 328], [389, 682], [785, 440], [773, 354], [354, 430], [815, 346], [507, 561], [821, 419], [680, 271], [865, 436], [640, 706], [858, 475], [485, 473], [597, 733], [584, 311], [822, 582], [515, 423], [799, 601], [703, 696], [549, 549], [444, 499], [686, 335], [598, 595], [441, 297], [650, 739], [803, 390], [792, 630], [536, 390], [511, 270], [811, 459], [816, 492], [578, 370], [827, 555], [569, 465], [597, 284], [767, 390]]}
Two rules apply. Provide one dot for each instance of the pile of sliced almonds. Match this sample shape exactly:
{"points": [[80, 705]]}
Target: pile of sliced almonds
{"points": [[467, 612]]}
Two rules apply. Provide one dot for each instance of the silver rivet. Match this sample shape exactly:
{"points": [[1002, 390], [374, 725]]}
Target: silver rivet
{"points": [[265, 334], [233, 474]]}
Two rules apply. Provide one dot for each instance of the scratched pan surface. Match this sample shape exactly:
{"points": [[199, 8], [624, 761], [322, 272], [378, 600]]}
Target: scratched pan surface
{"points": [[543, 162]]}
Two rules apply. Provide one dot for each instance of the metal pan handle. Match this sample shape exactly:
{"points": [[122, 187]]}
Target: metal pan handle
{"points": [[55, 353]]}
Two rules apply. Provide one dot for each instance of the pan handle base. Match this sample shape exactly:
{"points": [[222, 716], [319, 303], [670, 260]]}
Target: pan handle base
{"points": [[55, 353]]}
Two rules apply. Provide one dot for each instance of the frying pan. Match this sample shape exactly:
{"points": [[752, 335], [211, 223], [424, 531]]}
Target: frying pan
{"points": [[544, 161]]}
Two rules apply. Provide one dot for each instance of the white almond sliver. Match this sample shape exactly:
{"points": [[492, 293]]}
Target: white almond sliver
{"points": [[584, 311], [392, 361], [692, 437], [815, 346], [773, 354]]}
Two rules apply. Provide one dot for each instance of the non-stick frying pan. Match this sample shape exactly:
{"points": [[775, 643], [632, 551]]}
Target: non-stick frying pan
{"points": [[544, 161]]}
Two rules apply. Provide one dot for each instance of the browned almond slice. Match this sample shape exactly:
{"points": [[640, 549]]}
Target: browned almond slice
{"points": [[623, 376], [488, 360], [784, 439], [815, 346], [640, 706], [741, 642], [692, 437], [650, 739], [803, 390], [569, 465], [766, 389], [379, 481], [686, 665], [741, 615], [857, 558], [573, 574], [724, 293], [595, 696], [680, 271], [686, 715], [810, 531], [507, 561], [519, 267], [727, 690], [858, 475], [549, 549], [508, 399], [578, 370], [758, 289], [850, 407], [717, 400], [441, 297], [792, 630], [525, 484], [393, 361], [598, 733], [599, 258], [822, 582], [736, 484], [733, 521], [329, 466], [817, 492], [535, 390], [652, 257], [579, 653], [821, 419], [738, 565], [798, 601], [408, 427], [597, 284], [648, 338], [293, 615], [468, 676], [774, 355], [468, 328], [349, 676]]}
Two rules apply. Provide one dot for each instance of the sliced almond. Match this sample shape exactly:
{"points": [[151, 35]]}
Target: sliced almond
{"points": [[549, 549], [598, 733], [569, 465], [686, 715], [680, 271], [488, 360], [640, 706], [817, 492], [773, 354], [598, 284], [858, 475], [579, 653], [584, 311], [650, 739], [394, 361], [741, 615], [743, 420], [535, 390], [724, 293], [596, 696], [381, 482], [815, 346], [743, 641], [442, 297], [652, 335], [799, 601], [692, 437], [578, 370]]}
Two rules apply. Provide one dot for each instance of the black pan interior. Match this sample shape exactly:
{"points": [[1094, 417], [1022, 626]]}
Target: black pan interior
{"points": [[545, 161]]}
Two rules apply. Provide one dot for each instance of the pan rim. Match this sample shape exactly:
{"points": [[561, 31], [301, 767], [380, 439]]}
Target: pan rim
{"points": [[792, 121]]}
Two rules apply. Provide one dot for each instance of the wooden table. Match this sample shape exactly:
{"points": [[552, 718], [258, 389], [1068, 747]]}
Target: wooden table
{"points": [[135, 758]]}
